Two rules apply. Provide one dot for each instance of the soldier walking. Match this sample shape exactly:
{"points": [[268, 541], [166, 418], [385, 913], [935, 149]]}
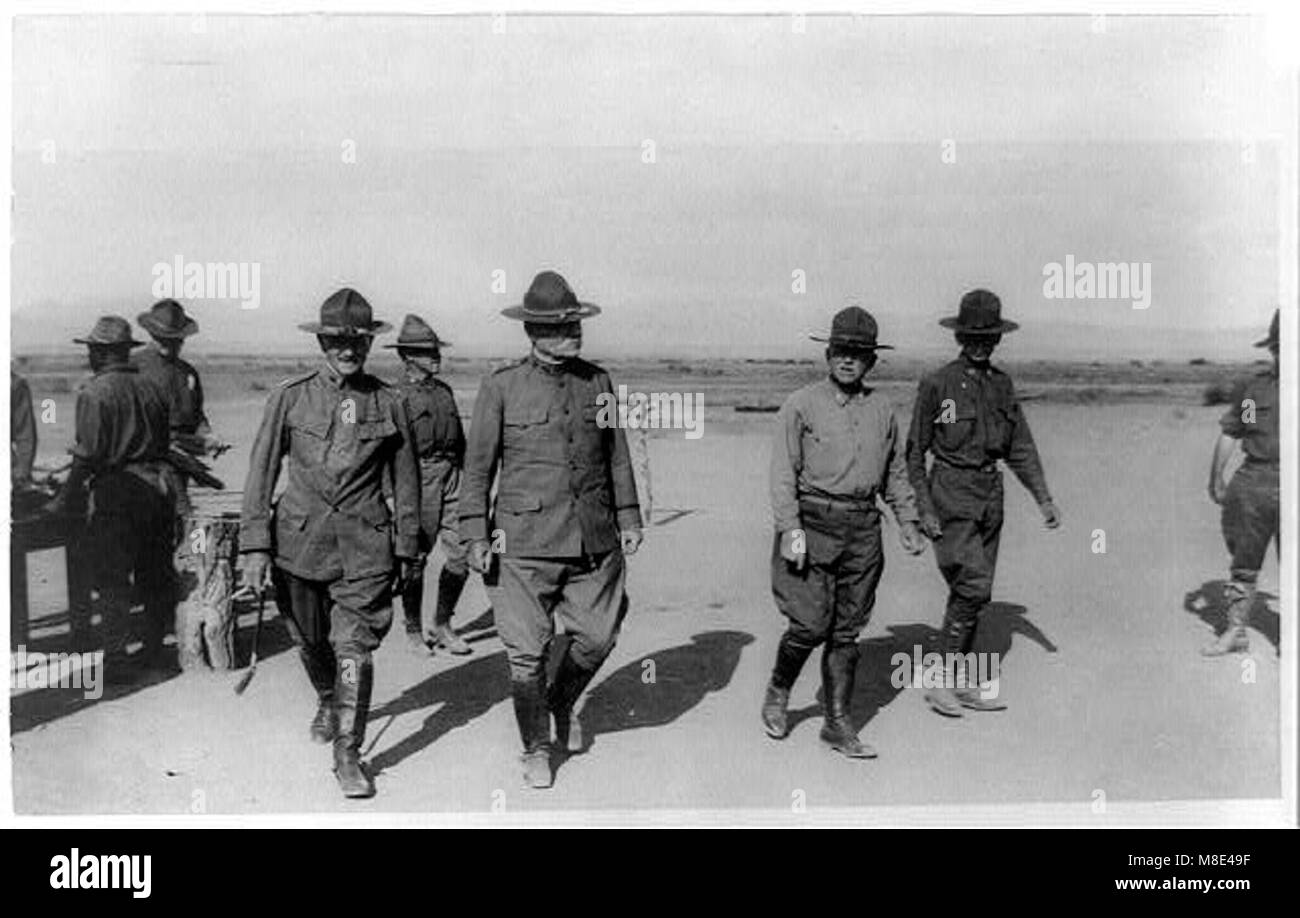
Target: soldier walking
{"points": [[203, 607], [837, 449], [1250, 501], [334, 542], [565, 514], [119, 460], [440, 447], [968, 417]]}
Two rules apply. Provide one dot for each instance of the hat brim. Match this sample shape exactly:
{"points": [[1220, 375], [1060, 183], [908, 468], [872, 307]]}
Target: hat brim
{"points": [[147, 323], [522, 313], [419, 345], [862, 346], [1000, 329], [129, 343], [1267, 342], [375, 328]]}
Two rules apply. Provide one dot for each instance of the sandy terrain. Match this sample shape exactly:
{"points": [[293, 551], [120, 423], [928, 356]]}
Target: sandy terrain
{"points": [[1101, 671]]}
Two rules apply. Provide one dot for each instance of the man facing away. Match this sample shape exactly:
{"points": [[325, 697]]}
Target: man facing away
{"points": [[119, 462], [565, 514], [837, 449], [1250, 501], [968, 418], [331, 536]]}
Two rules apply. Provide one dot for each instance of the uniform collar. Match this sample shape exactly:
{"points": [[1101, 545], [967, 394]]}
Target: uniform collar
{"points": [[117, 368], [841, 397], [554, 369], [971, 368], [340, 382]]}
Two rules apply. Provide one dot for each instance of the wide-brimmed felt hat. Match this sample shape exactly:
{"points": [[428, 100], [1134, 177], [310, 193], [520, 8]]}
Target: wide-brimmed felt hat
{"points": [[167, 319], [853, 327], [1271, 340], [110, 330], [550, 301], [980, 313], [417, 335], [346, 312]]}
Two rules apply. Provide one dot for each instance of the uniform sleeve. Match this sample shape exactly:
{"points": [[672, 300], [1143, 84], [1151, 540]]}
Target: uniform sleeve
{"points": [[405, 471], [787, 463], [626, 504], [204, 429], [22, 436], [919, 438], [263, 470], [457, 431], [1022, 458], [92, 424], [482, 451], [1231, 423], [898, 489]]}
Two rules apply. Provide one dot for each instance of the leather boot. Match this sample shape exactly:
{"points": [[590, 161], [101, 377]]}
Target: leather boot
{"points": [[790, 658], [1241, 597], [352, 699], [969, 694], [450, 586], [565, 689], [839, 666], [956, 636], [319, 663], [412, 602], [534, 730]]}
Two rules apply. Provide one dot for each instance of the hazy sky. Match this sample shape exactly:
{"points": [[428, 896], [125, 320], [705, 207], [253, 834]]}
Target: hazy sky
{"points": [[1154, 140]]}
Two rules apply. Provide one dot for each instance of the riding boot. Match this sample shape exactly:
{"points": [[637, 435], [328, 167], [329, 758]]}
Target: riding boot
{"points": [[319, 663], [534, 730], [563, 693], [412, 603], [1240, 596], [352, 699], [839, 666], [791, 654], [450, 585], [957, 635]]}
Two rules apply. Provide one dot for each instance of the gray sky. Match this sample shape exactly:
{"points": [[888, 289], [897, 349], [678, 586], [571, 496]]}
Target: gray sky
{"points": [[774, 152]]}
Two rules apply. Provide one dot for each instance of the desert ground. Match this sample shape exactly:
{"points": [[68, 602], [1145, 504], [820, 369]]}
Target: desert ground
{"points": [[1106, 689]]}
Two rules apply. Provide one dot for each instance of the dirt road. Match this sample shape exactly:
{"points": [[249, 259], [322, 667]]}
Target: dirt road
{"points": [[1100, 668]]}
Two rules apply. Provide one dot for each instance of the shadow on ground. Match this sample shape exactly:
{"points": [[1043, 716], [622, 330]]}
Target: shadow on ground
{"points": [[462, 693], [875, 686], [682, 676], [35, 707], [1209, 604]]}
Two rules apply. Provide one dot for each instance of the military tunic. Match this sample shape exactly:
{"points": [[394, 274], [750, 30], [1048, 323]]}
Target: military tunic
{"points": [[565, 490], [121, 441], [440, 447], [332, 532], [968, 417], [834, 453], [1250, 506]]}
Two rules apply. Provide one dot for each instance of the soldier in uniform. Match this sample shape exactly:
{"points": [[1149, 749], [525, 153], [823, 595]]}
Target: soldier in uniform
{"points": [[837, 449], [1250, 501], [334, 542], [967, 416], [440, 446], [198, 616], [120, 458], [566, 511]]}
